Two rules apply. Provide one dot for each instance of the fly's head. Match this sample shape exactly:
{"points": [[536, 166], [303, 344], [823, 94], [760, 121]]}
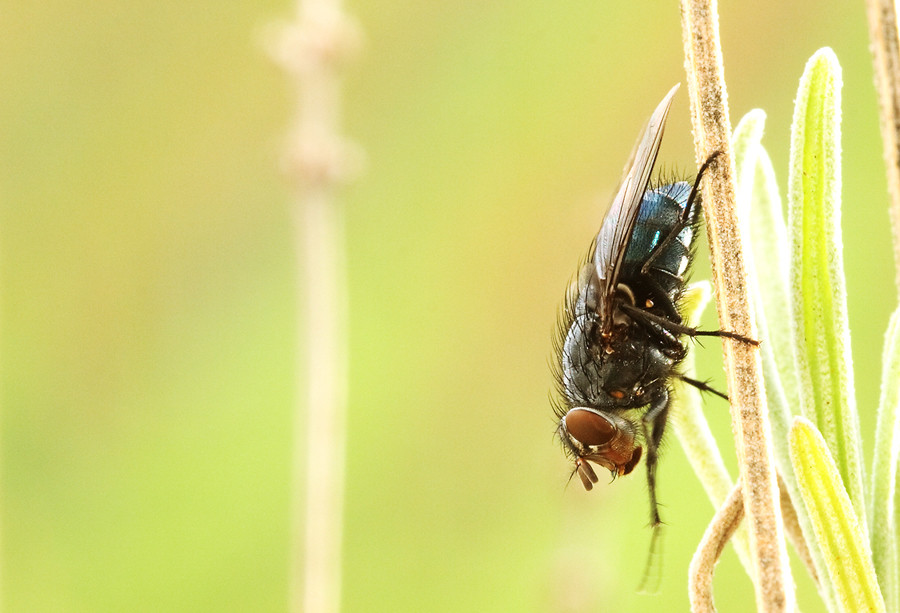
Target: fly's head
{"points": [[604, 438]]}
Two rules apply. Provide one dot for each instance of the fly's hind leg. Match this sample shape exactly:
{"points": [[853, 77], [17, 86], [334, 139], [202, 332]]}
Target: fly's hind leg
{"points": [[654, 424]]}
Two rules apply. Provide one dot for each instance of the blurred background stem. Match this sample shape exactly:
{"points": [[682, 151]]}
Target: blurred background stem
{"points": [[320, 415], [886, 57], [312, 50]]}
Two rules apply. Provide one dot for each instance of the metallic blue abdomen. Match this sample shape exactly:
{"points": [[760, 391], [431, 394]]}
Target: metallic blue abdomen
{"points": [[662, 210]]}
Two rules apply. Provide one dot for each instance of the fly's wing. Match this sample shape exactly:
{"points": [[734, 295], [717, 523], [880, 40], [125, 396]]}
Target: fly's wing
{"points": [[619, 221]]}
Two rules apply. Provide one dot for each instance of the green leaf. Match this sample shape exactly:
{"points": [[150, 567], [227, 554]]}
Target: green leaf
{"points": [[692, 429], [759, 207], [821, 332], [884, 469], [835, 522]]}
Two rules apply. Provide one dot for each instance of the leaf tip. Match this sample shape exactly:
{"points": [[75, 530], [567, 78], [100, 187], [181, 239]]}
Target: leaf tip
{"points": [[824, 64]]}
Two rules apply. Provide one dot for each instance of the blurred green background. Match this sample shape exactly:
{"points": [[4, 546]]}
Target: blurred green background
{"points": [[148, 313]]}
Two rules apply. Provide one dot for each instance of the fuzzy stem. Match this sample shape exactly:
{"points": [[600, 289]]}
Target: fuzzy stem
{"points": [[700, 578], [886, 57], [712, 132]]}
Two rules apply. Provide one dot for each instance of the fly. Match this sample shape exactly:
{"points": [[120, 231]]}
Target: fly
{"points": [[620, 334]]}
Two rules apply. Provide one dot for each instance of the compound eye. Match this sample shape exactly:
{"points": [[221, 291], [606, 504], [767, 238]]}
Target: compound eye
{"points": [[589, 428]]}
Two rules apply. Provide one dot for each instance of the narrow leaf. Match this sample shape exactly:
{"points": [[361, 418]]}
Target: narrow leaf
{"points": [[834, 520], [759, 207], [884, 469], [771, 253], [821, 332]]}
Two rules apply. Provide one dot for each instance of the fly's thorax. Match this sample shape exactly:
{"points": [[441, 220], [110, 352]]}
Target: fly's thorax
{"points": [[621, 369]]}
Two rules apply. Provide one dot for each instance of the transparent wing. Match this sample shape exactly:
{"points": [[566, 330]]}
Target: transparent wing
{"points": [[619, 221]]}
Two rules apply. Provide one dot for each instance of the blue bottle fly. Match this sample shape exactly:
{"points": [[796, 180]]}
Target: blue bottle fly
{"points": [[620, 334]]}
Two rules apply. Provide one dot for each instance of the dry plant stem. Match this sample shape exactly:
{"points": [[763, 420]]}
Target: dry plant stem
{"points": [[310, 50], [703, 564], [886, 57], [712, 132]]}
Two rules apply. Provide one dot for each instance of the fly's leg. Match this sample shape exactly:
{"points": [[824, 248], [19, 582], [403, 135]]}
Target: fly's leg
{"points": [[654, 424], [665, 331], [660, 298], [651, 323], [702, 386], [692, 198], [674, 327]]}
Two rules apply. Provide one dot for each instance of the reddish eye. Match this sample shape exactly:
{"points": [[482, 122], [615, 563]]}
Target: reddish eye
{"points": [[617, 394], [589, 428]]}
